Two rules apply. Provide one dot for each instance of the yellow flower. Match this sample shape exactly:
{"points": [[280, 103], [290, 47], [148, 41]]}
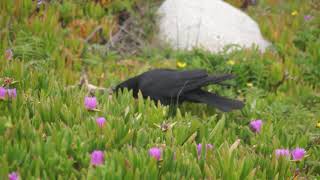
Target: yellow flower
{"points": [[294, 13], [318, 125], [231, 62], [181, 64], [249, 84]]}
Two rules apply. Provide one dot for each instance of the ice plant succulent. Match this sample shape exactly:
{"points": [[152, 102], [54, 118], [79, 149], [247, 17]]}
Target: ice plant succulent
{"points": [[90, 103], [101, 121], [256, 126], [199, 148], [298, 154], [13, 176], [155, 153], [3, 93], [97, 158], [282, 153]]}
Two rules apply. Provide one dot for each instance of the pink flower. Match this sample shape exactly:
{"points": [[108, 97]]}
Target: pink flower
{"points": [[199, 148], [3, 93], [90, 103], [40, 2], [8, 54], [12, 93], [155, 152], [256, 125], [101, 121], [298, 154], [308, 17], [13, 176], [282, 152], [97, 158]]}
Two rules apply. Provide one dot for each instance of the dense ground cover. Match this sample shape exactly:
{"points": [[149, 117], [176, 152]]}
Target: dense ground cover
{"points": [[46, 132]]}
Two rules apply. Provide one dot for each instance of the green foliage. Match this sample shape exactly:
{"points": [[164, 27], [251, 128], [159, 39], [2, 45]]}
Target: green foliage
{"points": [[47, 133]]}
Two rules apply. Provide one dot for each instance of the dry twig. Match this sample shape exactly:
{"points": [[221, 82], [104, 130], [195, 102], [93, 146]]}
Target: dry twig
{"points": [[92, 89]]}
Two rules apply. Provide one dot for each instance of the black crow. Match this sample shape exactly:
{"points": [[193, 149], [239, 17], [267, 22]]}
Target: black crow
{"points": [[172, 87]]}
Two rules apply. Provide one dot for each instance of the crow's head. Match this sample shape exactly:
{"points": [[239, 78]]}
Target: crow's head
{"points": [[130, 84]]}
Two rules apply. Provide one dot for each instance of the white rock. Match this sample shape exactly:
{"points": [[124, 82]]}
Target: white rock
{"points": [[210, 24]]}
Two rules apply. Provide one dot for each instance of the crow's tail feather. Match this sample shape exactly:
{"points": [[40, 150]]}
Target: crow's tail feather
{"points": [[222, 103]]}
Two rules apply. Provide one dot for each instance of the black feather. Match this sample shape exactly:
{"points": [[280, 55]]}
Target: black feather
{"points": [[172, 87]]}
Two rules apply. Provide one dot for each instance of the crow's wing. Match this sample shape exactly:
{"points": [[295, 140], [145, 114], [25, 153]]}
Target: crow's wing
{"points": [[168, 83]]}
